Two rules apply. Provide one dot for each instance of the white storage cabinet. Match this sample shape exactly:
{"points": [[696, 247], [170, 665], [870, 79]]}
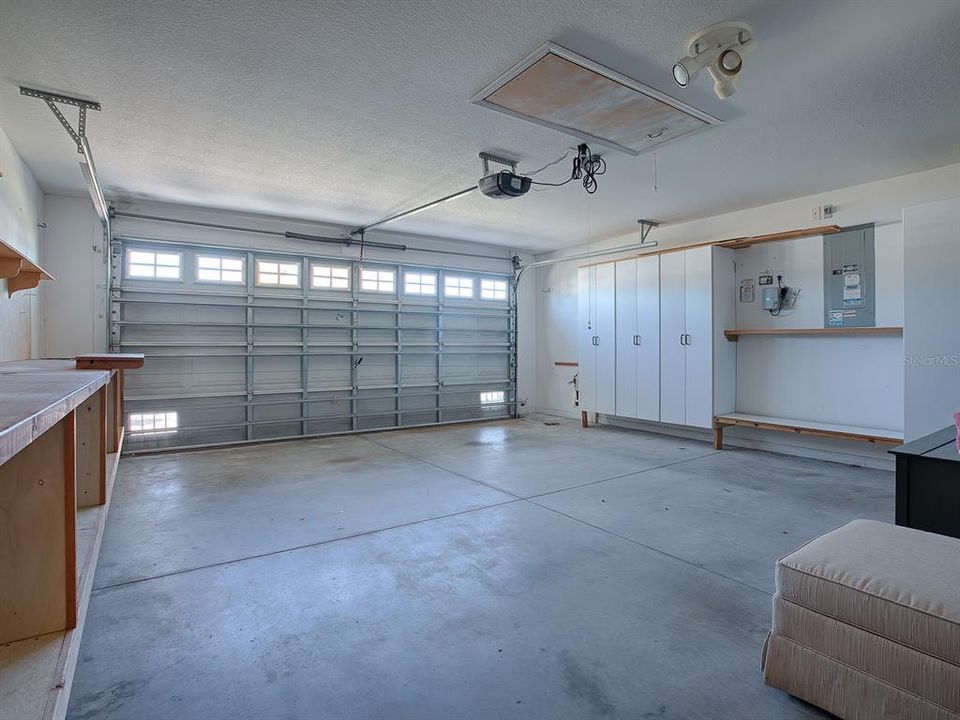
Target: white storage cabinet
{"points": [[651, 337]]}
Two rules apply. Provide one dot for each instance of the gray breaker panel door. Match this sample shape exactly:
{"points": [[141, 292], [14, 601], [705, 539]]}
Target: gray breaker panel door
{"points": [[849, 278]]}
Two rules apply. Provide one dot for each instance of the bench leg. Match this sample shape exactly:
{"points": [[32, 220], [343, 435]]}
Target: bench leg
{"points": [[38, 552], [717, 436], [583, 418], [91, 449]]}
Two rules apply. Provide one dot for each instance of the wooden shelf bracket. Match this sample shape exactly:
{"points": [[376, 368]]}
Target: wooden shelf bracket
{"points": [[20, 272]]}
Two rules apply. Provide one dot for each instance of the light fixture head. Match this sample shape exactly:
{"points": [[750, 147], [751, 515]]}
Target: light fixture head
{"points": [[724, 84], [720, 48], [685, 71]]}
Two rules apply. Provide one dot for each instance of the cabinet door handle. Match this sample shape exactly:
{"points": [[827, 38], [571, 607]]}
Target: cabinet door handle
{"points": [[596, 340], [688, 339], [636, 340], [681, 339]]}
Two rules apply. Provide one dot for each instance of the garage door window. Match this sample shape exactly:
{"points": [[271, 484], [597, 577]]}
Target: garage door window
{"points": [[416, 283], [152, 423], [492, 397], [493, 289], [329, 277], [278, 274], [377, 280], [219, 269], [461, 287], [160, 266]]}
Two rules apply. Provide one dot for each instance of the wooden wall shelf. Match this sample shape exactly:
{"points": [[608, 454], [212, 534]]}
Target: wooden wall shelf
{"points": [[743, 242], [734, 335], [20, 272]]}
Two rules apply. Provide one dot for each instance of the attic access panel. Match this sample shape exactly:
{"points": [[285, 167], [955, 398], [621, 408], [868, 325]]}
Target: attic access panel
{"points": [[560, 89]]}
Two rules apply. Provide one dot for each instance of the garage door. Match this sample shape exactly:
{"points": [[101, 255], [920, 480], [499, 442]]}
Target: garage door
{"points": [[244, 346]]}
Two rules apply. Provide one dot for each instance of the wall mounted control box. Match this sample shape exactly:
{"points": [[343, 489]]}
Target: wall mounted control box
{"points": [[849, 278]]}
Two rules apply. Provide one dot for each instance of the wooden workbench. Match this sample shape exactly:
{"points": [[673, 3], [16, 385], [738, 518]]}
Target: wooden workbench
{"points": [[60, 439]]}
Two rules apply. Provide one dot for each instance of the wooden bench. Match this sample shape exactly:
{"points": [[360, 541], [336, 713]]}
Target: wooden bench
{"points": [[61, 431], [803, 427]]}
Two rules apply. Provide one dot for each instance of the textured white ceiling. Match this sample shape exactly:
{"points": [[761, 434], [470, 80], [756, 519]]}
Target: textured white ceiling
{"points": [[348, 110]]}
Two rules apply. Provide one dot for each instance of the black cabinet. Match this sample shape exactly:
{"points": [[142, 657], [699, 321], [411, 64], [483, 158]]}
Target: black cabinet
{"points": [[928, 483]]}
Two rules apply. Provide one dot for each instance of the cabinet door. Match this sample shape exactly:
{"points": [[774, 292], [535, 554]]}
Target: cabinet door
{"points": [[673, 362], [648, 336], [698, 311], [627, 338], [606, 368], [586, 332]]}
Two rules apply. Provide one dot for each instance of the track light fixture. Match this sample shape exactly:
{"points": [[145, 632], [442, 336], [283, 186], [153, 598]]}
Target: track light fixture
{"points": [[720, 49]]}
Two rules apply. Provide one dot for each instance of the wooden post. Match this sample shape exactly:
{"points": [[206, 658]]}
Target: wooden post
{"points": [[38, 546], [121, 416], [70, 519], [92, 450], [114, 411], [583, 418], [717, 436]]}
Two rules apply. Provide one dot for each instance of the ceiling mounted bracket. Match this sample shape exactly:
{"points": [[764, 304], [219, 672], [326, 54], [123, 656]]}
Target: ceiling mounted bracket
{"points": [[488, 158], [645, 227], [51, 100], [79, 137]]}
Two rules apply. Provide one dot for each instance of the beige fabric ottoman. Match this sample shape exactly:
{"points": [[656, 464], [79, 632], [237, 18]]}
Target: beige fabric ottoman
{"points": [[866, 624]]}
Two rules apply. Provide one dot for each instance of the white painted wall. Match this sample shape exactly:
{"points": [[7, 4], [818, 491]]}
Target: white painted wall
{"points": [[74, 306], [527, 342], [851, 380], [932, 334], [21, 211], [793, 377]]}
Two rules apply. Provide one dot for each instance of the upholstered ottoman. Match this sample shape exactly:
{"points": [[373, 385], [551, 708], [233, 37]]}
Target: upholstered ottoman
{"points": [[866, 624]]}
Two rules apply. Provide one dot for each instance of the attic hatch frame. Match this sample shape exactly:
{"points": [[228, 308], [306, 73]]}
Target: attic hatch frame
{"points": [[550, 48]]}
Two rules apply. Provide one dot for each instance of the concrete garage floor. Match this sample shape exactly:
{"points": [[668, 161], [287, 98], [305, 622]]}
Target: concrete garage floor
{"points": [[509, 570]]}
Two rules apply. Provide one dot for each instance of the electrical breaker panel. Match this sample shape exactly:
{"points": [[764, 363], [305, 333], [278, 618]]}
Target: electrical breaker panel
{"points": [[848, 282]]}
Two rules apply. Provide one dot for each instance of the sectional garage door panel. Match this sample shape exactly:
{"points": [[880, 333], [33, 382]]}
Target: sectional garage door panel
{"points": [[244, 345]]}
